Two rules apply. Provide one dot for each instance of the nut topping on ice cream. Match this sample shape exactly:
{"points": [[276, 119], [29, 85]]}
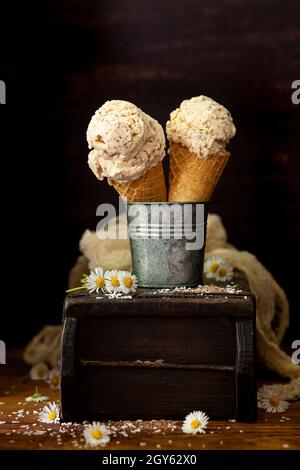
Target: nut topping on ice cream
{"points": [[124, 141], [201, 125]]}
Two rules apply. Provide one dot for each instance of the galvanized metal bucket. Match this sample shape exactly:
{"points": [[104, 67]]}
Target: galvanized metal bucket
{"points": [[167, 242]]}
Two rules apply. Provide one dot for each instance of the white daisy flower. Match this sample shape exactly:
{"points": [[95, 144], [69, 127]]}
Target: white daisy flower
{"points": [[195, 422], [96, 434], [272, 399], [49, 414], [113, 281], [95, 281], [36, 397], [128, 282], [39, 371], [54, 378], [224, 272], [211, 266]]}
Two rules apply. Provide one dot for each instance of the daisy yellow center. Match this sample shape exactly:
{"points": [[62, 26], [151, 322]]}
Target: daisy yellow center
{"points": [[222, 272], [52, 415], [115, 281], [97, 434], [214, 267], [128, 282], [195, 423], [274, 400], [100, 281], [41, 373], [54, 381]]}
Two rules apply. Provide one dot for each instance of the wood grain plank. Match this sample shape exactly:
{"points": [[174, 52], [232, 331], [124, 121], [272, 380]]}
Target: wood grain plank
{"points": [[173, 341]]}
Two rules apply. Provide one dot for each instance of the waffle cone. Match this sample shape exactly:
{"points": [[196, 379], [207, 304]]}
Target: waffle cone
{"points": [[148, 188], [193, 179]]}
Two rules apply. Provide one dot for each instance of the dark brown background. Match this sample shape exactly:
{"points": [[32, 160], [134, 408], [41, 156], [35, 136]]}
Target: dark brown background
{"points": [[62, 59]]}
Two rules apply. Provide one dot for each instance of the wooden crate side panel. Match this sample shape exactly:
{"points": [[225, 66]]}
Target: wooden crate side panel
{"points": [[125, 393], [174, 340]]}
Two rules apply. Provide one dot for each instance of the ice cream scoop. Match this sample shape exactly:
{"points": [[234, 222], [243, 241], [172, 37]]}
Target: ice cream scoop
{"points": [[201, 125], [124, 141]]}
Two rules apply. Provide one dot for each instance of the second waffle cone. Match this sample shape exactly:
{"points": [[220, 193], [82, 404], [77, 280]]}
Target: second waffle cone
{"points": [[193, 179]]}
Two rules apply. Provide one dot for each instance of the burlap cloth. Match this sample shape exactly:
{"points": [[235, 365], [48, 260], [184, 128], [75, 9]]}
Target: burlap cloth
{"points": [[272, 310]]}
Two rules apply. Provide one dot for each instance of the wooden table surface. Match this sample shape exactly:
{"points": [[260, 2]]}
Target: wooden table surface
{"points": [[23, 431]]}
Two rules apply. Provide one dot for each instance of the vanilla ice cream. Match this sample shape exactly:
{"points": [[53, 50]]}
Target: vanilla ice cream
{"points": [[124, 141], [201, 125]]}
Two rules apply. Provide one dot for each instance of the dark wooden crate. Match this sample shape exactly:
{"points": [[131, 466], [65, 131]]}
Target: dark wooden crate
{"points": [[159, 356]]}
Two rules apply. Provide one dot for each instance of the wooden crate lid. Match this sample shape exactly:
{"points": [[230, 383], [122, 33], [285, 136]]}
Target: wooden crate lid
{"points": [[236, 300]]}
